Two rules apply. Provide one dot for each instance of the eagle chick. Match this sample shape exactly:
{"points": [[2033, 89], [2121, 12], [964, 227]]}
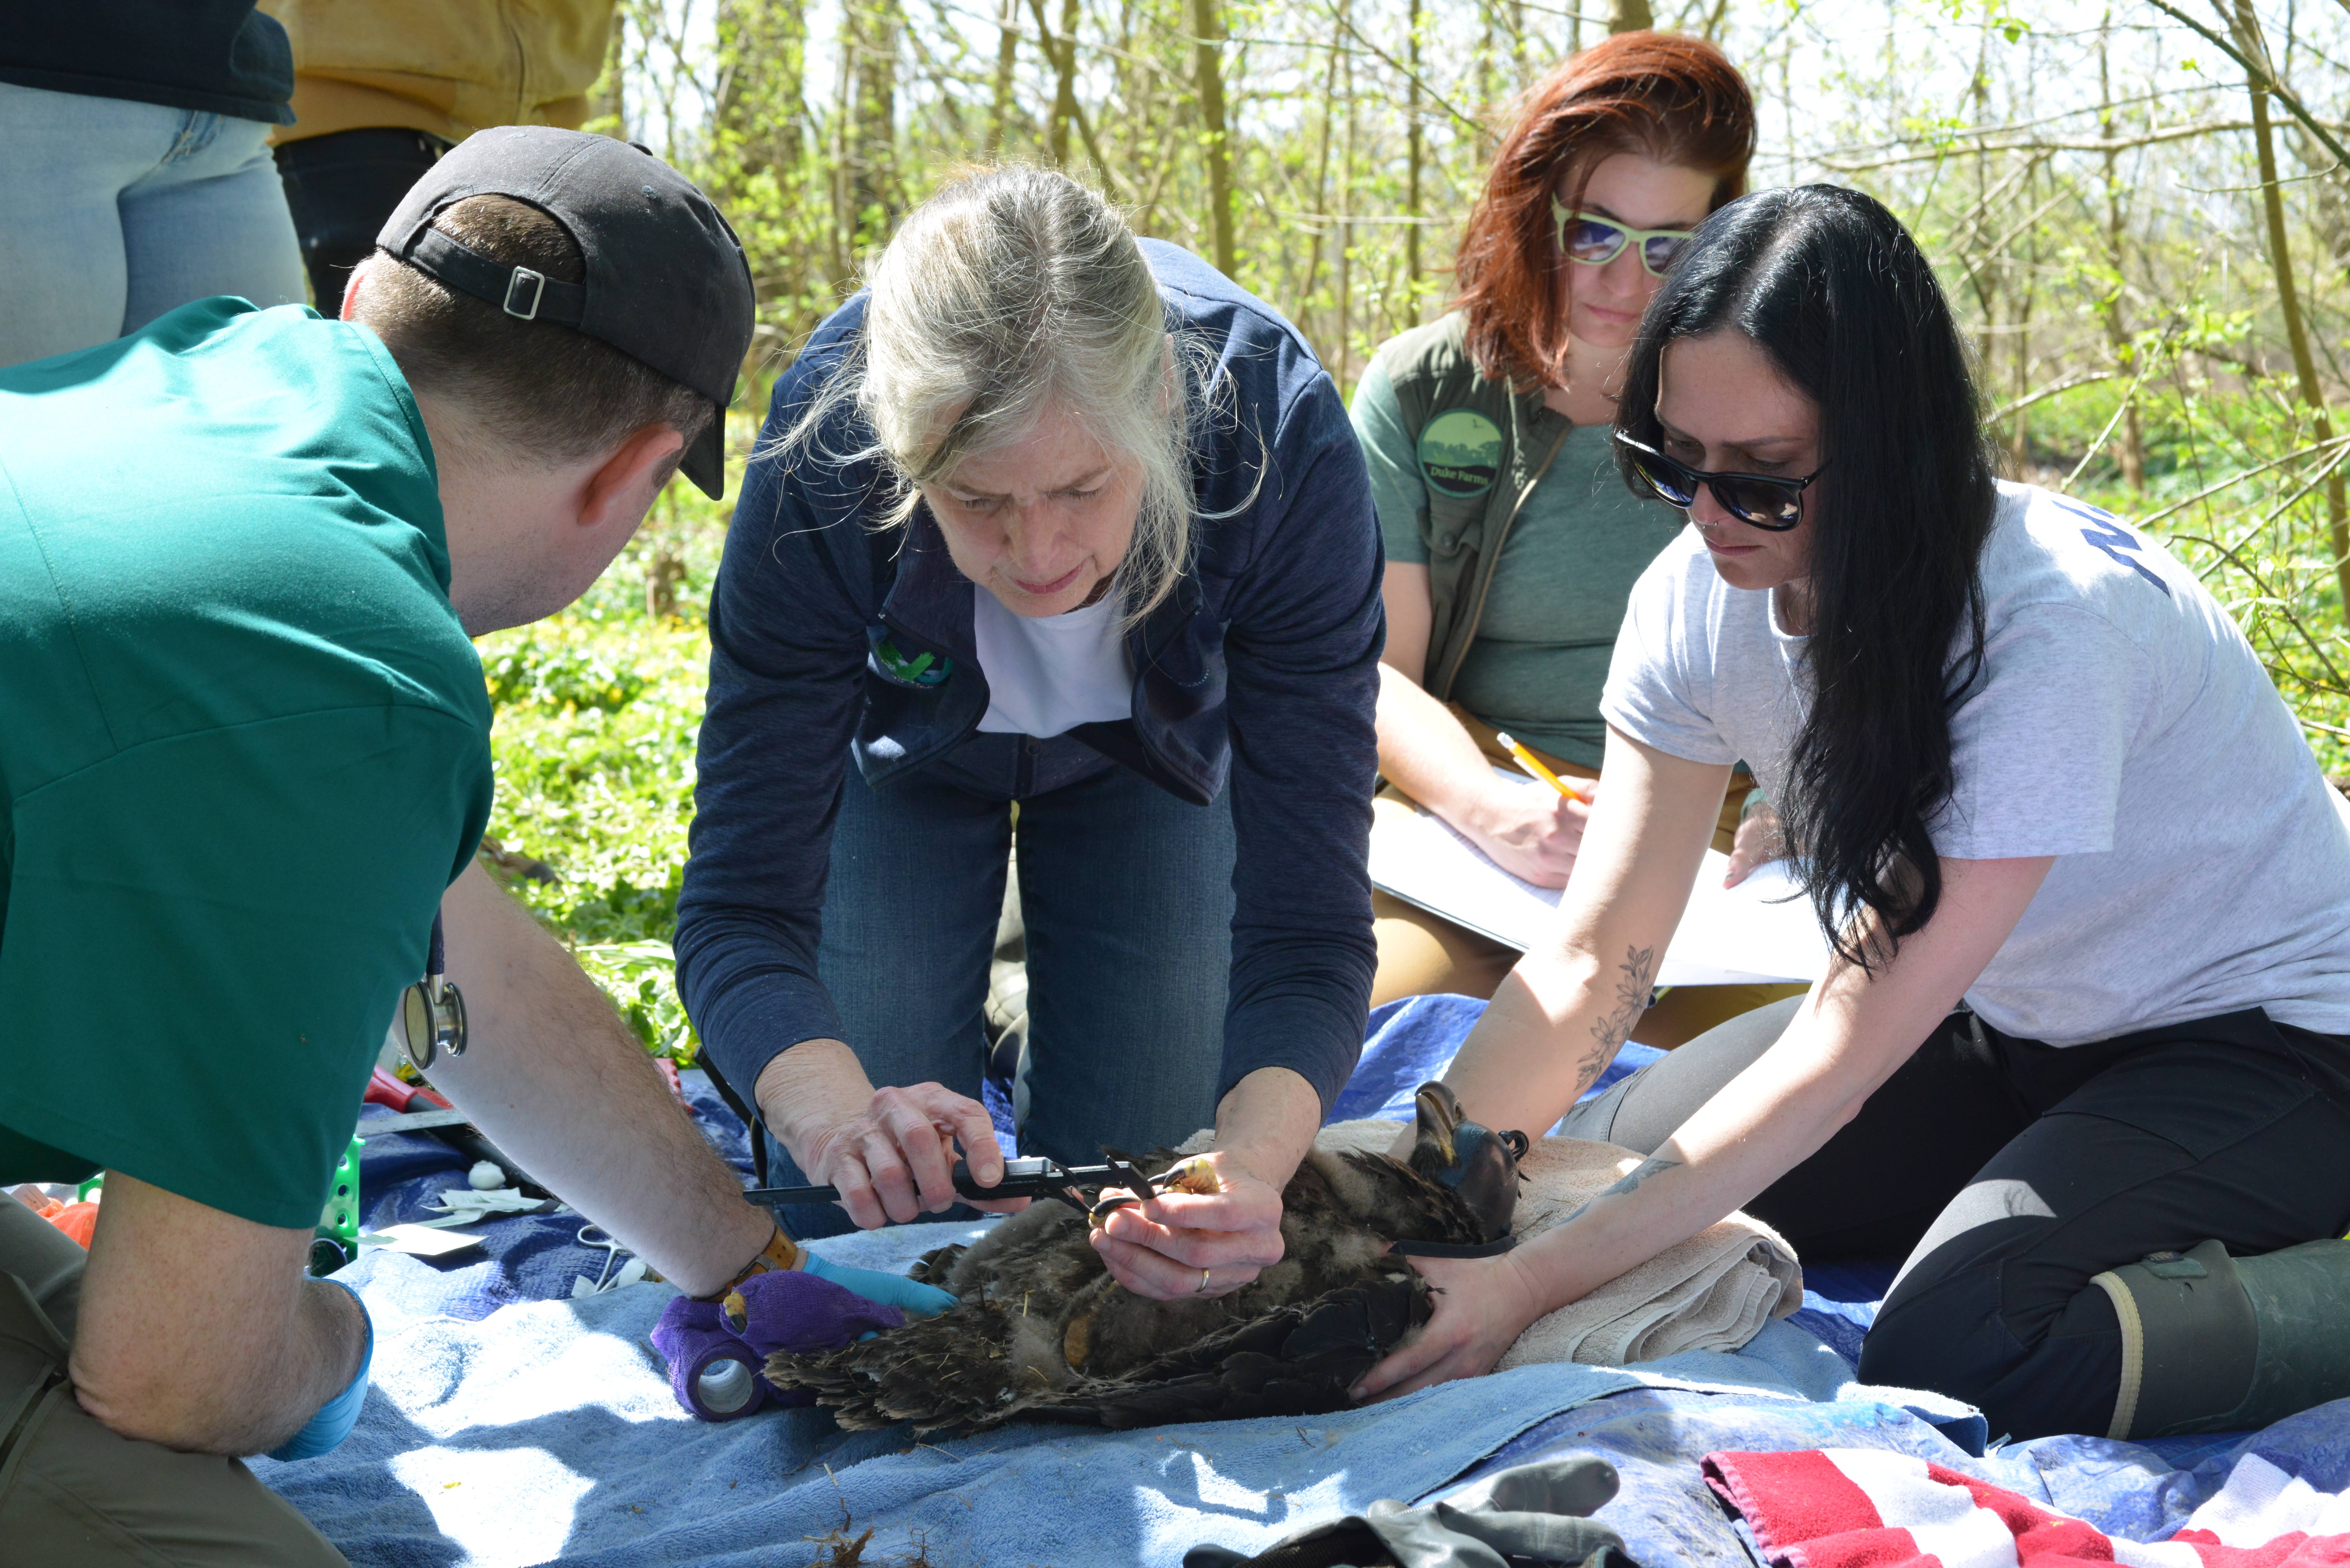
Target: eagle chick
{"points": [[1042, 1332]]}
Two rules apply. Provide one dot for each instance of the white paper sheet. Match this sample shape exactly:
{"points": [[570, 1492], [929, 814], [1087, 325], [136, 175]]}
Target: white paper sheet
{"points": [[1759, 931], [419, 1241]]}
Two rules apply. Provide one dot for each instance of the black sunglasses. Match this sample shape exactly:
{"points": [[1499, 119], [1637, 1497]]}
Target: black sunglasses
{"points": [[1763, 500]]}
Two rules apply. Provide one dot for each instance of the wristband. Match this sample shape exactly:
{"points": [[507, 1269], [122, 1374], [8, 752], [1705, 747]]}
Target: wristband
{"points": [[338, 1414], [781, 1254]]}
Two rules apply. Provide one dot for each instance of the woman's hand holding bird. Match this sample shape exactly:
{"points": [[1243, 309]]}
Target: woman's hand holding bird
{"points": [[1195, 1239]]}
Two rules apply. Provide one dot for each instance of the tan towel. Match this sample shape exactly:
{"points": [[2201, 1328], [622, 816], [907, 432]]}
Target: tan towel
{"points": [[1714, 1292]]}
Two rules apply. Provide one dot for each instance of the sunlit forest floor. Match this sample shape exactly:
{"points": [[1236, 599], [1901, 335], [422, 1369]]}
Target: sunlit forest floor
{"points": [[598, 709]]}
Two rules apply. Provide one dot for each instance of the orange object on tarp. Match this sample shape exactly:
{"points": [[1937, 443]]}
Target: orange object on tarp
{"points": [[76, 1220]]}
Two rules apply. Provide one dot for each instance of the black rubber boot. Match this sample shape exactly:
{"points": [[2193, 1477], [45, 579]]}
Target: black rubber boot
{"points": [[2215, 1344]]}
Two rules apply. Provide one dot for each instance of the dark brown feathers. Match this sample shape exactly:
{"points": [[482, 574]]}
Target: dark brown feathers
{"points": [[1043, 1332]]}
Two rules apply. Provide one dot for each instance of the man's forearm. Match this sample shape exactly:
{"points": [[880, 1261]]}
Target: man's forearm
{"points": [[235, 1366], [556, 1079]]}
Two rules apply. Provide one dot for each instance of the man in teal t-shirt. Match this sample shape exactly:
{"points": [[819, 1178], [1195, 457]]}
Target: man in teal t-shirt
{"points": [[245, 743], [244, 750]]}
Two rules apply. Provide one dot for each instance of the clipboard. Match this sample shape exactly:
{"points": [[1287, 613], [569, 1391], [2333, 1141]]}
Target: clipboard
{"points": [[1761, 931]]}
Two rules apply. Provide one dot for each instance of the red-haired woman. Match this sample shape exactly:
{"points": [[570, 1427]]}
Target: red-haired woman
{"points": [[1512, 545]]}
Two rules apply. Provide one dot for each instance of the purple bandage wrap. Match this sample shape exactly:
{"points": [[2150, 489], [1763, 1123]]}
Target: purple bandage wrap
{"points": [[795, 1311]]}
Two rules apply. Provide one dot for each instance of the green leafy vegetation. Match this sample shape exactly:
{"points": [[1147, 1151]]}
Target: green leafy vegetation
{"points": [[597, 712]]}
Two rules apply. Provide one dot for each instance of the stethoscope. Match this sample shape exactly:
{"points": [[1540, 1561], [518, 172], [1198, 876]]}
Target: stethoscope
{"points": [[431, 1012]]}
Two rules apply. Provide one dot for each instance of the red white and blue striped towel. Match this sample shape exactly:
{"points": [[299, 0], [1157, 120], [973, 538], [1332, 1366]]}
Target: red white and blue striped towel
{"points": [[1860, 1508]]}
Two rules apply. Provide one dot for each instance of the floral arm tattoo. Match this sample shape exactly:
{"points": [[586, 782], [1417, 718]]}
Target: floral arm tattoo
{"points": [[1607, 1036]]}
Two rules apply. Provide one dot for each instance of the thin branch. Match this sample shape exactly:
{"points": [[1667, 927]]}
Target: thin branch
{"points": [[1397, 66], [2262, 76], [2011, 127], [2053, 390], [2124, 144], [2283, 608], [2238, 478]]}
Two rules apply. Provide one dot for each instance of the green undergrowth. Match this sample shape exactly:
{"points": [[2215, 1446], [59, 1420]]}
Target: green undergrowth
{"points": [[2233, 483], [597, 712]]}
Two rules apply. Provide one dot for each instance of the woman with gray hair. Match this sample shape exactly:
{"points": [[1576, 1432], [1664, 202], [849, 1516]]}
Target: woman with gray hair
{"points": [[1059, 534]]}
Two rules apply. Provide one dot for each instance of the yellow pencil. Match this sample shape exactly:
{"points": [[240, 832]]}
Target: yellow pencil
{"points": [[1526, 761]]}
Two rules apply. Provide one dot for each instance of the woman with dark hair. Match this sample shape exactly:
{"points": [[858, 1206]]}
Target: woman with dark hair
{"points": [[2084, 1056], [1511, 548]]}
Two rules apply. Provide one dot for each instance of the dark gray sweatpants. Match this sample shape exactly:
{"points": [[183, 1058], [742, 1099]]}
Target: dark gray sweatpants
{"points": [[2009, 1173]]}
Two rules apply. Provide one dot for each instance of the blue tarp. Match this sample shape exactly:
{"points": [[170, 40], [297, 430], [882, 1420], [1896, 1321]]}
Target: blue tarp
{"points": [[510, 1424]]}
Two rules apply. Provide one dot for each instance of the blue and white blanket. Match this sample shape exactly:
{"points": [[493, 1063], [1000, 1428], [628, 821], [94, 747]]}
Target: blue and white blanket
{"points": [[507, 1427]]}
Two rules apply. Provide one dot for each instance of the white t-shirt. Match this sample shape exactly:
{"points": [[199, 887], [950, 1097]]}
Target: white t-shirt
{"points": [[2122, 724], [1048, 674]]}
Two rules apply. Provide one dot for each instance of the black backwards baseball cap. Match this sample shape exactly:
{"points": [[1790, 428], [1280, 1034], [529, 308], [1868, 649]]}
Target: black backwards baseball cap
{"points": [[666, 283]]}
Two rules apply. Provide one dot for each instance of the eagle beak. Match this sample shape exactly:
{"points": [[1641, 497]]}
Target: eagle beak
{"points": [[1441, 1113]]}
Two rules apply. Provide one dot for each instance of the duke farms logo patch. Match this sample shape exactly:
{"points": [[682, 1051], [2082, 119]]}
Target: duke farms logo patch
{"points": [[1460, 452]]}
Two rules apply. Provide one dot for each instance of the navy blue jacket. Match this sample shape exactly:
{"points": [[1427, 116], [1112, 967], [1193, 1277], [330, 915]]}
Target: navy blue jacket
{"points": [[1261, 669]]}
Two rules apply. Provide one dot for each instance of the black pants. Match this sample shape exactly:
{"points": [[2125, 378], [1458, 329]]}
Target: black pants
{"points": [[2011, 1172], [341, 188]]}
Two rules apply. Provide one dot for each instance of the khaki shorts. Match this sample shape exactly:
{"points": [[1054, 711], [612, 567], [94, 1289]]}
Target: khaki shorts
{"points": [[73, 1494]]}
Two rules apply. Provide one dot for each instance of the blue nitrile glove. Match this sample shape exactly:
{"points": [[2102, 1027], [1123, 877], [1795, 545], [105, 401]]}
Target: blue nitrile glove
{"points": [[338, 1414], [915, 1300]]}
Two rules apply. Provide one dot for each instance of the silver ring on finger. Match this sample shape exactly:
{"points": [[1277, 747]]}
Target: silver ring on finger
{"points": [[1203, 1282]]}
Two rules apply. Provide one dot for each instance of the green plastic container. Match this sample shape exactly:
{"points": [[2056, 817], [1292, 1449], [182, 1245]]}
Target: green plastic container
{"points": [[338, 1240], [340, 1219]]}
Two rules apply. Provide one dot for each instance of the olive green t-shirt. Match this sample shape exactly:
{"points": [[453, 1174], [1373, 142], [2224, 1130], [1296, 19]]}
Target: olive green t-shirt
{"points": [[1581, 540], [243, 747]]}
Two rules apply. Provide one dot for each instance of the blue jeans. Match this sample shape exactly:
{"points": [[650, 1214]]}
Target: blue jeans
{"points": [[118, 212], [1127, 893]]}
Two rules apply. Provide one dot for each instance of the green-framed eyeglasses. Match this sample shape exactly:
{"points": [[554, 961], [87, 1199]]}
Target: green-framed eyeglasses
{"points": [[1595, 241]]}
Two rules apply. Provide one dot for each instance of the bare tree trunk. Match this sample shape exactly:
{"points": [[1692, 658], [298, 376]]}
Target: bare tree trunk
{"points": [[1007, 60], [873, 186], [612, 104], [1322, 162], [757, 109], [1487, 41], [1064, 52], [1629, 16], [2020, 438], [2117, 332], [1346, 229], [2337, 515], [1206, 57], [843, 234], [1413, 138]]}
